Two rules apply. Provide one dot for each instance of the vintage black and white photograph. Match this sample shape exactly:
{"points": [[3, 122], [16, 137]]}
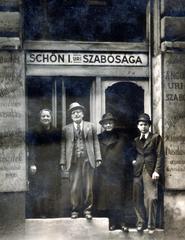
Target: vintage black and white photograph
{"points": [[92, 119]]}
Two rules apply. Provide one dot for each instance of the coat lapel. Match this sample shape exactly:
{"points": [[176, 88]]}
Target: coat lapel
{"points": [[139, 143], [71, 132], [137, 140], [86, 128], [148, 139]]}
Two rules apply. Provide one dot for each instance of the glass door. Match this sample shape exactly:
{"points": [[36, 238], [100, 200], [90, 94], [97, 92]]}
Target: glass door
{"points": [[55, 94]]}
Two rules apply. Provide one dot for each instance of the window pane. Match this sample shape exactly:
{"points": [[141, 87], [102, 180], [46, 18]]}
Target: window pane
{"points": [[85, 20], [78, 90]]}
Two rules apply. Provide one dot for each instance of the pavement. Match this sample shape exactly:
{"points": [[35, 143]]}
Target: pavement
{"points": [[75, 229]]}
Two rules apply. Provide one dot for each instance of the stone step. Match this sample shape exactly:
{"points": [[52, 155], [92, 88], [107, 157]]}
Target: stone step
{"points": [[69, 229], [66, 228]]}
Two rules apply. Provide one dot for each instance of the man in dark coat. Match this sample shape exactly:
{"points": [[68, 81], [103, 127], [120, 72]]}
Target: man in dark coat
{"points": [[148, 169], [111, 174], [44, 167]]}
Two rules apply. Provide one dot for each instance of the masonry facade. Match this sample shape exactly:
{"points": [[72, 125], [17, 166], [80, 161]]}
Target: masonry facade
{"points": [[53, 65]]}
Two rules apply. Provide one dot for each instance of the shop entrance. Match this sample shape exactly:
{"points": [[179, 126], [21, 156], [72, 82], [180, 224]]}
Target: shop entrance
{"points": [[124, 99]]}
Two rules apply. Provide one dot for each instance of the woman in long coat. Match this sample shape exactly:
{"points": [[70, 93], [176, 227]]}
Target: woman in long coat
{"points": [[44, 168], [111, 174]]}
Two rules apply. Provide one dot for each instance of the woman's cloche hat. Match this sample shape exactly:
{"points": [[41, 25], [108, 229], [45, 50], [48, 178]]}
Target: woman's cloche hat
{"points": [[106, 117]]}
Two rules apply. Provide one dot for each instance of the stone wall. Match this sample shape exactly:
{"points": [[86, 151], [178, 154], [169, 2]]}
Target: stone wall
{"points": [[10, 24], [12, 117], [169, 74]]}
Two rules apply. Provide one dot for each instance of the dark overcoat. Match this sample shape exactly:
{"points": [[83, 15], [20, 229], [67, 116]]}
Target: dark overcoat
{"points": [[44, 153], [110, 179]]}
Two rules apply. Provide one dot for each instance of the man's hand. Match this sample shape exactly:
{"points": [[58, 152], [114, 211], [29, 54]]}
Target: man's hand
{"points": [[155, 176], [134, 162], [33, 169], [62, 167], [98, 163]]}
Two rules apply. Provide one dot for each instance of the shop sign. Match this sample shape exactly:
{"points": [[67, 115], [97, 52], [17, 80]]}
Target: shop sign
{"points": [[94, 59]]}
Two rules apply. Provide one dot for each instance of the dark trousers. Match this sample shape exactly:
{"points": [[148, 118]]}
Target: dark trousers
{"points": [[81, 183], [115, 217], [145, 195]]}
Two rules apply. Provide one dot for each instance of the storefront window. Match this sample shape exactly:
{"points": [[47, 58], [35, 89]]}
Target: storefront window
{"points": [[85, 20]]}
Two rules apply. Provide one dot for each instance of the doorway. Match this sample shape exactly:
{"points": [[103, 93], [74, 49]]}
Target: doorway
{"points": [[56, 94], [125, 100]]}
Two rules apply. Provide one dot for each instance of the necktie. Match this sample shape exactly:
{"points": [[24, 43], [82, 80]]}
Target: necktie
{"points": [[143, 139], [78, 129]]}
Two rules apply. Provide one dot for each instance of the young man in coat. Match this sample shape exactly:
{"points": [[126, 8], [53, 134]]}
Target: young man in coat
{"points": [[80, 154], [148, 169]]}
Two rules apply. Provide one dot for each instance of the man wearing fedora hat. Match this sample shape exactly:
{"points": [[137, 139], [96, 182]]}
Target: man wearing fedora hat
{"points": [[111, 178], [80, 154], [148, 169]]}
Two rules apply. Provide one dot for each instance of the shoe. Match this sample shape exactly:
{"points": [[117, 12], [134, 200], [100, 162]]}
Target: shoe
{"points": [[151, 230], [124, 228], [74, 215], [140, 228], [112, 227], [88, 216]]}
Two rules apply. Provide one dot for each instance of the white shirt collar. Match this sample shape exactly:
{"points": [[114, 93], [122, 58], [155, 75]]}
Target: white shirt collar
{"points": [[146, 135], [81, 125]]}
